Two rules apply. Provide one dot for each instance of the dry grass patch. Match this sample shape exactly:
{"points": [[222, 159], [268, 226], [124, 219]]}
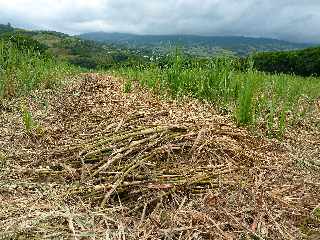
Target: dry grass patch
{"points": [[114, 165]]}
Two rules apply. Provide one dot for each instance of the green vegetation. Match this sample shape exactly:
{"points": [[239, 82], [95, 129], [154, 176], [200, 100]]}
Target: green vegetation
{"points": [[24, 67], [316, 213], [303, 62], [27, 119], [127, 86], [253, 98], [35, 59], [23, 42]]}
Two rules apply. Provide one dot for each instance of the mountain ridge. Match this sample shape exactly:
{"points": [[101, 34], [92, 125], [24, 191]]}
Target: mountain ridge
{"points": [[192, 35], [239, 45]]}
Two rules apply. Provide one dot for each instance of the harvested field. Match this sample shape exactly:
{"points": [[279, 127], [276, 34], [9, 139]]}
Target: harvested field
{"points": [[104, 164]]}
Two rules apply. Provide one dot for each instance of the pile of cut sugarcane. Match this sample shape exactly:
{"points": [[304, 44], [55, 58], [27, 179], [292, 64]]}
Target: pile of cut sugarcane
{"points": [[145, 162]]}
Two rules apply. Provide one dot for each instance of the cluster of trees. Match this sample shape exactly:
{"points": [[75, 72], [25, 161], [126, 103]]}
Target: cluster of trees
{"points": [[300, 62]]}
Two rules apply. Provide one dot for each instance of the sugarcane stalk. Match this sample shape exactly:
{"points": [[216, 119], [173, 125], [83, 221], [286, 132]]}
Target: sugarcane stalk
{"points": [[121, 178]]}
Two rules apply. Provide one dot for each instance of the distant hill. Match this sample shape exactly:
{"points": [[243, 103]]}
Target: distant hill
{"points": [[4, 28], [195, 45], [84, 53]]}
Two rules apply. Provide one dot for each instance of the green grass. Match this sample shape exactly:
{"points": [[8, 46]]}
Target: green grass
{"points": [[127, 86], [22, 71], [27, 119], [271, 102]]}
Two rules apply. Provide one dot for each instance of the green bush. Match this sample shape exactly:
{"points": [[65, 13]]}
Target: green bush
{"points": [[302, 62]]}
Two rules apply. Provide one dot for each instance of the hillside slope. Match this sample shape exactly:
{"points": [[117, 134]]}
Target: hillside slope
{"points": [[100, 163], [83, 53]]}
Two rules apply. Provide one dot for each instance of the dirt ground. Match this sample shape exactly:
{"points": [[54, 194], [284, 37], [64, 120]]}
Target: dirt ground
{"points": [[99, 163]]}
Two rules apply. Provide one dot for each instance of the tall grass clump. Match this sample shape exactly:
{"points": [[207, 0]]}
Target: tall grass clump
{"points": [[23, 70], [244, 112], [27, 119], [268, 101]]}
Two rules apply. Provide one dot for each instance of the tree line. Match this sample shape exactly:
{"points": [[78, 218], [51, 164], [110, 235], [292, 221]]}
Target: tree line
{"points": [[300, 62]]}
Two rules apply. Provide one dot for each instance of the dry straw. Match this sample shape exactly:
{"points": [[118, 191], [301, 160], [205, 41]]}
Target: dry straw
{"points": [[117, 165]]}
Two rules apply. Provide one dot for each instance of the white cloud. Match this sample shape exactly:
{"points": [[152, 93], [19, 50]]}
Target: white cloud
{"points": [[287, 19]]}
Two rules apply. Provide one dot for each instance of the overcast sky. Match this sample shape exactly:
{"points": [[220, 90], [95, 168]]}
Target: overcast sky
{"points": [[295, 20]]}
